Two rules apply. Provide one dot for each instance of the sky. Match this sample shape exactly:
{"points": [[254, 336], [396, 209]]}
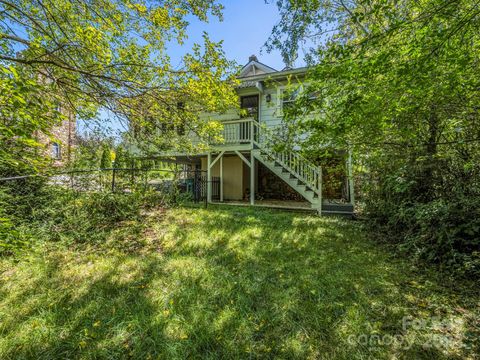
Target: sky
{"points": [[246, 26]]}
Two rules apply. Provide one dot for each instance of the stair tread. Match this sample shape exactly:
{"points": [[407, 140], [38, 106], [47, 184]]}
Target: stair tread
{"points": [[290, 177]]}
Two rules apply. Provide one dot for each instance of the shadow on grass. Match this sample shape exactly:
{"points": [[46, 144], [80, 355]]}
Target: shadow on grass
{"points": [[233, 283]]}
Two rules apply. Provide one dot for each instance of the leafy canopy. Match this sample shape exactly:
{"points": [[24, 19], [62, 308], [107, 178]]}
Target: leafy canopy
{"points": [[398, 82], [24, 113], [383, 68], [113, 54]]}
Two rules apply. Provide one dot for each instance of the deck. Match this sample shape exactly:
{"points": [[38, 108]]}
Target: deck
{"points": [[275, 204], [328, 207]]}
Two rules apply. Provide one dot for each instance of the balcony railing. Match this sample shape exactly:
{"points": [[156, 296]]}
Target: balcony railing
{"points": [[237, 132]]}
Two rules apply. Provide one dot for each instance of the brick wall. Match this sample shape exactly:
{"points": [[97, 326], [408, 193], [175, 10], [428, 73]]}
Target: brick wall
{"points": [[64, 137]]}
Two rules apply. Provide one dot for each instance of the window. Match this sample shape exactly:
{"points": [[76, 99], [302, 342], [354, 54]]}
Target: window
{"points": [[163, 128], [249, 106], [313, 95], [166, 127], [288, 98], [56, 151], [180, 128]]}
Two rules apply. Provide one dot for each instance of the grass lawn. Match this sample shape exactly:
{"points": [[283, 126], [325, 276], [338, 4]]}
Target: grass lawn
{"points": [[227, 283]]}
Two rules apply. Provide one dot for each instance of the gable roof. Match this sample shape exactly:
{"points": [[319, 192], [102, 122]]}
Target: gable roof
{"points": [[255, 67], [252, 80]]}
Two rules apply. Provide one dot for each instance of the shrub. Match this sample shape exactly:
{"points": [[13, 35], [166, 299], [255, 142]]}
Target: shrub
{"points": [[19, 198], [18, 201], [11, 239], [441, 228], [87, 217], [33, 211]]}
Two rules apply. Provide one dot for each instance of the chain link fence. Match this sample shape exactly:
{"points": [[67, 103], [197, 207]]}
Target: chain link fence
{"points": [[87, 205], [190, 184]]}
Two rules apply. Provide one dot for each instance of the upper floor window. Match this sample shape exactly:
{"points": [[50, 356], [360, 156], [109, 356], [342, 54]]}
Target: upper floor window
{"points": [[56, 151], [286, 99], [167, 128], [288, 96], [249, 106], [180, 129]]}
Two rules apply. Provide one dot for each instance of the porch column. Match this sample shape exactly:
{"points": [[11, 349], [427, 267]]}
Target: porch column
{"points": [[209, 177], [350, 178], [252, 179], [221, 178]]}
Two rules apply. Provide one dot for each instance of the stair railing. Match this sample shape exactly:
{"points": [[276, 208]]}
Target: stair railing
{"points": [[291, 160]]}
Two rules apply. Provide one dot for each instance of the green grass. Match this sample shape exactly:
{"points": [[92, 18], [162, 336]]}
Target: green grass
{"points": [[228, 283]]}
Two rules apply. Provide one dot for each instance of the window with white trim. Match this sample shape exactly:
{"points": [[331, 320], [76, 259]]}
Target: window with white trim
{"points": [[288, 96]]}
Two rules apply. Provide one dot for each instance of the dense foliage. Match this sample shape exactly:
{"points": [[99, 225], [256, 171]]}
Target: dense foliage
{"points": [[25, 114], [65, 58], [93, 56], [33, 211], [398, 83]]}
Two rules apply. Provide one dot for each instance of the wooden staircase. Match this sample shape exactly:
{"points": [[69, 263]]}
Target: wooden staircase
{"points": [[310, 190], [299, 173]]}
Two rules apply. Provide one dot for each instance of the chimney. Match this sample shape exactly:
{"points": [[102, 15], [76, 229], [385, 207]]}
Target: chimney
{"points": [[252, 58]]}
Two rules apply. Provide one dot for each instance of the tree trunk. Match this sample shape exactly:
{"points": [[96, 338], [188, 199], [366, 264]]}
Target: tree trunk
{"points": [[427, 176]]}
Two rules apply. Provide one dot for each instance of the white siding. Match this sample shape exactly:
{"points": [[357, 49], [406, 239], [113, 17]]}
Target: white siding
{"points": [[270, 113], [231, 114]]}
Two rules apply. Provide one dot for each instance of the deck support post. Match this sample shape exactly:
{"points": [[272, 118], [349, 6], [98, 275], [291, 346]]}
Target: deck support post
{"points": [[209, 177], [216, 159], [252, 179], [351, 188], [221, 178]]}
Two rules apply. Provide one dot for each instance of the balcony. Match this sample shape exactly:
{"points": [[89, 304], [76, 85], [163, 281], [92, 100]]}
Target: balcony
{"points": [[237, 134]]}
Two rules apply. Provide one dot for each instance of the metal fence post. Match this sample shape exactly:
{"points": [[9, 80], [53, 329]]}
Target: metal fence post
{"points": [[113, 180], [320, 190], [206, 184]]}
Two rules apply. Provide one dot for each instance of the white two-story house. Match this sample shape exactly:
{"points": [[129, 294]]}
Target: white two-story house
{"points": [[245, 169]]}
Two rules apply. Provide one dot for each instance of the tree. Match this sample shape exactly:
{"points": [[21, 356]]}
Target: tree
{"points": [[398, 83], [106, 159], [120, 157], [113, 54], [24, 112]]}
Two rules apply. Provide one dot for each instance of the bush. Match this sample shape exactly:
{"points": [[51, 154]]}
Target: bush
{"points": [[19, 198], [11, 240], [18, 201], [441, 228], [446, 232], [32, 211], [88, 217]]}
